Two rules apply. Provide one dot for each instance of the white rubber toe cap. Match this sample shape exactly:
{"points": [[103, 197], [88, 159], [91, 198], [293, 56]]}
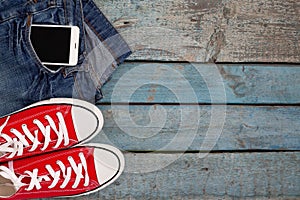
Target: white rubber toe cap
{"points": [[87, 120], [109, 164]]}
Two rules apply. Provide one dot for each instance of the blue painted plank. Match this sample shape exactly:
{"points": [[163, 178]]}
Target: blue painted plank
{"points": [[202, 83], [273, 176], [208, 30], [193, 127]]}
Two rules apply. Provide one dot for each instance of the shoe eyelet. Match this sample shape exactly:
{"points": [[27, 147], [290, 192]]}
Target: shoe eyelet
{"points": [[86, 185]]}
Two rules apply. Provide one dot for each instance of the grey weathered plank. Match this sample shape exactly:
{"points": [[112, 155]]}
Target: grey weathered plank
{"points": [[208, 30], [217, 176], [198, 83], [181, 128]]}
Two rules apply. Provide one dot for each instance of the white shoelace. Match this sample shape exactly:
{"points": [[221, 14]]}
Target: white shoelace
{"points": [[64, 172], [15, 146]]}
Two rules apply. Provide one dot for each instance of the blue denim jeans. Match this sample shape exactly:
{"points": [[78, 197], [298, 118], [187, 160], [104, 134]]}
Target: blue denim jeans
{"points": [[25, 80]]}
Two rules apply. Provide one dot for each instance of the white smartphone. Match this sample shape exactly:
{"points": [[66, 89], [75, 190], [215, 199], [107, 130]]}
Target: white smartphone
{"points": [[55, 44]]}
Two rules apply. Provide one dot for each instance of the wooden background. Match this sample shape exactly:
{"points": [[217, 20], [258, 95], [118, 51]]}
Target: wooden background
{"points": [[159, 105]]}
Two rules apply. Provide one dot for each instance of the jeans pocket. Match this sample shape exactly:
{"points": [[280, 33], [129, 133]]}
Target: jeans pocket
{"points": [[50, 16], [31, 49], [29, 45]]}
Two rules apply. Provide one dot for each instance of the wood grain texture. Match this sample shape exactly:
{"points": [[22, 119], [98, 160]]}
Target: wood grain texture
{"points": [[169, 115], [182, 128], [140, 82], [208, 30], [217, 176]]}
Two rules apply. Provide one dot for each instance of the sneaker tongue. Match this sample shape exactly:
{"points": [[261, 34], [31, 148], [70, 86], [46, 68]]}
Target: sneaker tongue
{"points": [[26, 180]]}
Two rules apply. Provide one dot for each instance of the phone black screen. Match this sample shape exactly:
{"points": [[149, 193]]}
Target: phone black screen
{"points": [[51, 44]]}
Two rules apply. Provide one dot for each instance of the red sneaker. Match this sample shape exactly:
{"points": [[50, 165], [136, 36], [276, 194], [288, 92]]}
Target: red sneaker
{"points": [[47, 126], [66, 173]]}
